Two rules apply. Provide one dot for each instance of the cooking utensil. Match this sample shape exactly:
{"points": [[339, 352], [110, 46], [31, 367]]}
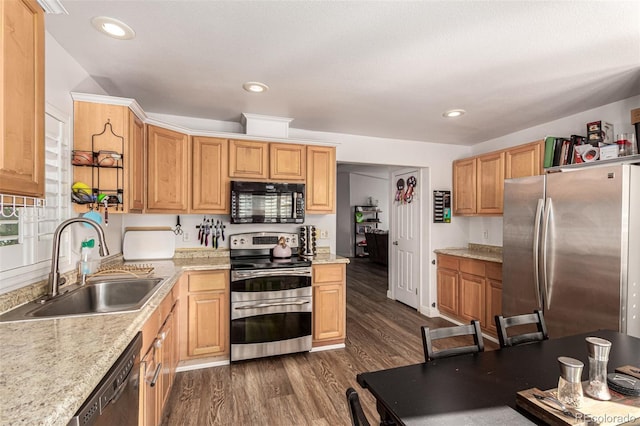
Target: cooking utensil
{"points": [[200, 228], [178, 230], [222, 229], [207, 231], [555, 404]]}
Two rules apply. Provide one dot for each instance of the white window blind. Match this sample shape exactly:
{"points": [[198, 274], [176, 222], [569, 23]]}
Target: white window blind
{"points": [[26, 231]]}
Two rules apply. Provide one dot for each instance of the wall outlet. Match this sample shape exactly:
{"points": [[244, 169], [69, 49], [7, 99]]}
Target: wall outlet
{"points": [[485, 234], [323, 234], [185, 236]]}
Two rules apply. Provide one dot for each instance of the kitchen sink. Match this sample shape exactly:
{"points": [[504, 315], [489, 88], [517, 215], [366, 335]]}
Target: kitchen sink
{"points": [[99, 297]]}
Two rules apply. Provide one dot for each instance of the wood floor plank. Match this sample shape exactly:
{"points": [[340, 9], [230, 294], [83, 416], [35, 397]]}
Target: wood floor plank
{"points": [[309, 388]]}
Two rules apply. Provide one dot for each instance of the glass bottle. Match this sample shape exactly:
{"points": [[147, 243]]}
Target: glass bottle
{"points": [[570, 382], [598, 358]]}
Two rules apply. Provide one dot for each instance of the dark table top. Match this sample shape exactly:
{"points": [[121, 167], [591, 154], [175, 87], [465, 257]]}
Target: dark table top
{"points": [[484, 381]]}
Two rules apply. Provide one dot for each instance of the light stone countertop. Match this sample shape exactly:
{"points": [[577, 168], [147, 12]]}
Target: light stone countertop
{"points": [[475, 251], [48, 367]]}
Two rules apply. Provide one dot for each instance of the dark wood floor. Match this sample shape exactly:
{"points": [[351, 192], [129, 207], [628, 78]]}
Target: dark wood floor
{"points": [[309, 388]]}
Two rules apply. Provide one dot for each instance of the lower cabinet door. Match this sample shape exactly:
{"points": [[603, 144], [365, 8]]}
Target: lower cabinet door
{"points": [[328, 312], [494, 304], [472, 296], [448, 291], [149, 391], [207, 327]]}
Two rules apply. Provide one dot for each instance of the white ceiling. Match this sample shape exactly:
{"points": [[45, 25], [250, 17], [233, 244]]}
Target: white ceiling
{"points": [[385, 68]]}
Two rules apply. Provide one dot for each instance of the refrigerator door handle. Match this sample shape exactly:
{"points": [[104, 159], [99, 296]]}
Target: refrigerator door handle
{"points": [[546, 294], [536, 250]]}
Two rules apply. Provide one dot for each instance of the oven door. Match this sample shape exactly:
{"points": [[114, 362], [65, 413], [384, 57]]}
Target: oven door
{"points": [[271, 326]]}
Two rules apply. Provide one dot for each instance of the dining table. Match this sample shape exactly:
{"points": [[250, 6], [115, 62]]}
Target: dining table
{"points": [[481, 388]]}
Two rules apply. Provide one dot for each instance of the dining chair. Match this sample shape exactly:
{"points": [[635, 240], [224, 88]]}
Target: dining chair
{"points": [[537, 318], [429, 335], [355, 409]]}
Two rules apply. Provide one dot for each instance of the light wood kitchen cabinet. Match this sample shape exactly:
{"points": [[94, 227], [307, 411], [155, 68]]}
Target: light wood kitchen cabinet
{"points": [[248, 159], [493, 298], [490, 183], [478, 182], [22, 93], [210, 178], [470, 289], [329, 304], [159, 362], [205, 324], [287, 162], [321, 180], [464, 186], [525, 160], [111, 128], [447, 279], [167, 171]]}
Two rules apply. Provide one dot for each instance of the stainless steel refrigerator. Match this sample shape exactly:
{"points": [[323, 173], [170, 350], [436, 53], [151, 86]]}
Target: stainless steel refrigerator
{"points": [[571, 246]]}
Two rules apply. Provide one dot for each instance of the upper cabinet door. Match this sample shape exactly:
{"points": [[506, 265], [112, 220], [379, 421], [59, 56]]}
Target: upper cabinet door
{"points": [[210, 181], [490, 183], [525, 160], [22, 94], [287, 161], [167, 171], [321, 179], [248, 159], [464, 186]]}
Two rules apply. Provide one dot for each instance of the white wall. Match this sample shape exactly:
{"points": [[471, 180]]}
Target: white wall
{"points": [[617, 113]]}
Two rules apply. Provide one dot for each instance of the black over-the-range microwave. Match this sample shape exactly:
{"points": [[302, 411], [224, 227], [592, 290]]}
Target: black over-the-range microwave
{"points": [[267, 202]]}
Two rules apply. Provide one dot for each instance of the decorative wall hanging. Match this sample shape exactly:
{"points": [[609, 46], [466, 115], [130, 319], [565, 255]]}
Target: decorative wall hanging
{"points": [[405, 195]]}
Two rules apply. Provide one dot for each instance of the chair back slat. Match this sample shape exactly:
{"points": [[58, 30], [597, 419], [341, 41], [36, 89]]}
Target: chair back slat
{"points": [[429, 335], [536, 318]]}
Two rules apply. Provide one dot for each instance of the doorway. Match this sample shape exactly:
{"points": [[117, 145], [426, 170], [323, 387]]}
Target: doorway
{"points": [[357, 184]]}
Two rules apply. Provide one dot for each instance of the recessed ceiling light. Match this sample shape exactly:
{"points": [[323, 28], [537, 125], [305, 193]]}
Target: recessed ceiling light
{"points": [[255, 87], [113, 27], [452, 113]]}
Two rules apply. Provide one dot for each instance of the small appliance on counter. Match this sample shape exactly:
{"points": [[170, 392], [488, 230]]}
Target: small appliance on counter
{"points": [[307, 241]]}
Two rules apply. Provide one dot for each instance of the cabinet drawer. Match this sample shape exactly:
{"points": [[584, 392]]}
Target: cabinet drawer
{"points": [[328, 273], [470, 266], [448, 262], [207, 281], [494, 270]]}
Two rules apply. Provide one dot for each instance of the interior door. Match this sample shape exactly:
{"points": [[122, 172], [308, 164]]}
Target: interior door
{"points": [[405, 236]]}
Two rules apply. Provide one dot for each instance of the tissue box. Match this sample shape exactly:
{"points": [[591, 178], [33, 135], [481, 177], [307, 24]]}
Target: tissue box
{"points": [[609, 151]]}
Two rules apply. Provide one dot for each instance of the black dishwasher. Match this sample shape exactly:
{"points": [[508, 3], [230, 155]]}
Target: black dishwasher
{"points": [[115, 400]]}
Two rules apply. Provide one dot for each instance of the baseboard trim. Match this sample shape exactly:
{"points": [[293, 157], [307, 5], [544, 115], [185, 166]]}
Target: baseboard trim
{"points": [[198, 365], [328, 347]]}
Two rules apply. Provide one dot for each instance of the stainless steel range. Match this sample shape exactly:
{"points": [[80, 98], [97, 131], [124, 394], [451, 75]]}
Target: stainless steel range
{"points": [[271, 298]]}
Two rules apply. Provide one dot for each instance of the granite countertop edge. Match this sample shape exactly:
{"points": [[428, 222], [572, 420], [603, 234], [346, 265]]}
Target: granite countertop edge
{"points": [[50, 366], [472, 253]]}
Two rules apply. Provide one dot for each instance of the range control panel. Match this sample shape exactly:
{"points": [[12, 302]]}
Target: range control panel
{"points": [[261, 240]]}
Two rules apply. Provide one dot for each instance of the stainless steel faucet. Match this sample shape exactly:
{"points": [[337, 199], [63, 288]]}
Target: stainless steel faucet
{"points": [[54, 275]]}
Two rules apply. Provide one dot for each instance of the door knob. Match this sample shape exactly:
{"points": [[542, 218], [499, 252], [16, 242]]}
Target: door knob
{"points": [[395, 243]]}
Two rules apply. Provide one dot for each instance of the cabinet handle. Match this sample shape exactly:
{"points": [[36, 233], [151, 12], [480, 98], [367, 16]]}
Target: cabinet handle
{"points": [[395, 243], [156, 375]]}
